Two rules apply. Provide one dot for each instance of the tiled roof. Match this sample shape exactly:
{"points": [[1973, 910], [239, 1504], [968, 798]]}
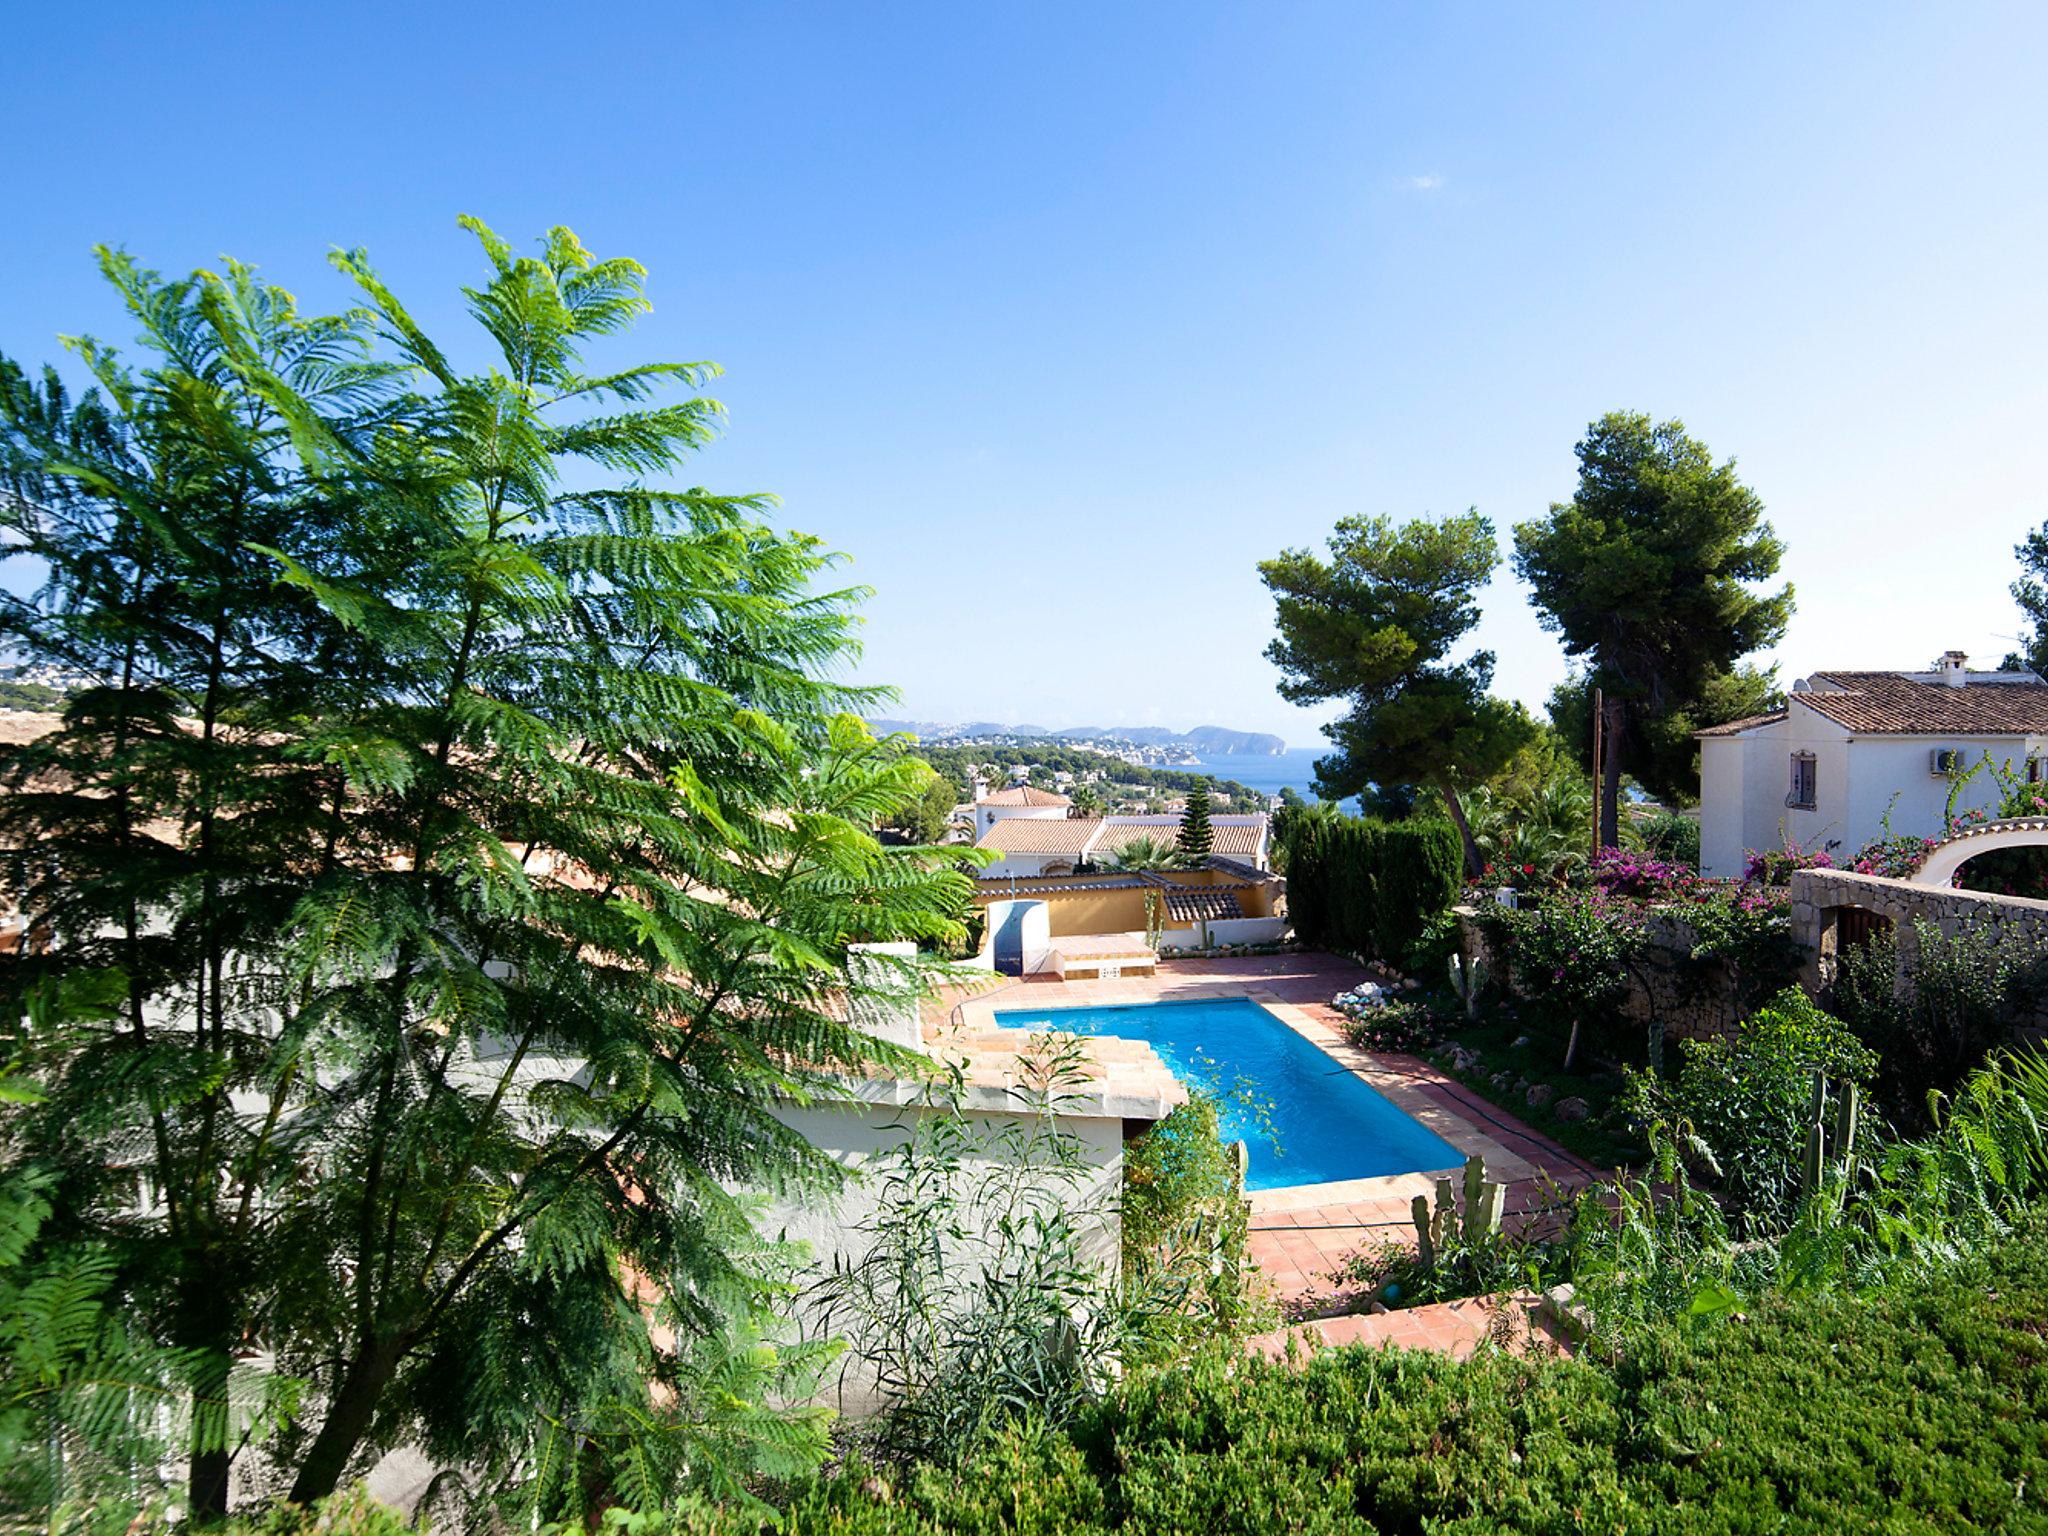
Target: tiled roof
{"points": [[1040, 834], [1104, 837], [1195, 906], [1060, 885], [1025, 794], [1746, 723], [1225, 838], [1884, 702]]}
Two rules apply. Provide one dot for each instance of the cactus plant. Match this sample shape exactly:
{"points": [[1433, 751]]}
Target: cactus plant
{"points": [[1845, 1133], [1425, 1241], [1482, 1202], [1816, 1139], [1467, 977], [1452, 1224]]}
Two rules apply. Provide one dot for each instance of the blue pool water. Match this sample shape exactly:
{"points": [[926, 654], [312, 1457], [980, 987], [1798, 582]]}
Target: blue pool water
{"points": [[1328, 1123]]}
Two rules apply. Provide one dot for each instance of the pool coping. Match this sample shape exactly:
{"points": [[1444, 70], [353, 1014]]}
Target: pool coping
{"points": [[1397, 1086]]}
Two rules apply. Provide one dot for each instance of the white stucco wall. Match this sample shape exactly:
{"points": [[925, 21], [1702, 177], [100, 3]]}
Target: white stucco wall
{"points": [[859, 1137], [1036, 917], [986, 815], [1225, 930], [1723, 760], [1882, 765], [1744, 780]]}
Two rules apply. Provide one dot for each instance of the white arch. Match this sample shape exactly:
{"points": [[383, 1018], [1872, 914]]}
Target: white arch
{"points": [[1944, 859]]}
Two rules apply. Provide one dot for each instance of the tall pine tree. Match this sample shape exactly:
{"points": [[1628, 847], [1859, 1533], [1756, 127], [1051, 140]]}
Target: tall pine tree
{"points": [[1376, 624], [1649, 573]]}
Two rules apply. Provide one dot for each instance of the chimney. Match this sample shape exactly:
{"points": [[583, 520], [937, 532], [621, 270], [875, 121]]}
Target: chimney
{"points": [[1952, 668]]}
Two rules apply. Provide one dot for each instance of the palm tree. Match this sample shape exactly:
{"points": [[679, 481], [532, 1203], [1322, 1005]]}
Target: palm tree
{"points": [[1145, 852], [1545, 829]]}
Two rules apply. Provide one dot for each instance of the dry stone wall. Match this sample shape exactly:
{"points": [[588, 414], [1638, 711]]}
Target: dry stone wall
{"points": [[1829, 906], [1696, 1000]]}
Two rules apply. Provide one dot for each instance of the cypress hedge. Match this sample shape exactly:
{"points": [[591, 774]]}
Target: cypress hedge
{"points": [[1369, 887]]}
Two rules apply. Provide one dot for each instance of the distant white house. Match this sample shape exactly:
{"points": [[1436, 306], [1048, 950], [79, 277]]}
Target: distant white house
{"points": [[1854, 751], [1021, 802], [1056, 843]]}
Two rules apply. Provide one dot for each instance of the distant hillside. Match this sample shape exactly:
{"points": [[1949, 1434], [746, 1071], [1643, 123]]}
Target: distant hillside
{"points": [[1216, 738], [1213, 739]]}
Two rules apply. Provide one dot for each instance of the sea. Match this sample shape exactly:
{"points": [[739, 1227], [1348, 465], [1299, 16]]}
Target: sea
{"points": [[1293, 769]]}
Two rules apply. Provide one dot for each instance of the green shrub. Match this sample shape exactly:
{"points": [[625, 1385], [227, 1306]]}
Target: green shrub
{"points": [[1671, 835], [1421, 871], [1570, 955], [1918, 1411], [1364, 887], [1185, 1228], [1746, 1100], [1964, 994]]}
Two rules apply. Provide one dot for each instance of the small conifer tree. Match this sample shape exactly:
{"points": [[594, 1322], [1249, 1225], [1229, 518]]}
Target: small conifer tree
{"points": [[1195, 836]]}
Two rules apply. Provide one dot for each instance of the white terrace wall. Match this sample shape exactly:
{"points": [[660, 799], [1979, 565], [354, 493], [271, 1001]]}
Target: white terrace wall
{"points": [[861, 1137], [1219, 931]]}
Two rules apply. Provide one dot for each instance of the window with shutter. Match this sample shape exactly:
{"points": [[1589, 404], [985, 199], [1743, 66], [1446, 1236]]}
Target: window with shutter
{"points": [[1805, 782]]}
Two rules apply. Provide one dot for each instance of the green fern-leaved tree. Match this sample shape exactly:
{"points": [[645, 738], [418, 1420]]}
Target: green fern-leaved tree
{"points": [[477, 817]]}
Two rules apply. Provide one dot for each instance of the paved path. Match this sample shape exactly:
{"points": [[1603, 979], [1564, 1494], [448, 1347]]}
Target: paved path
{"points": [[1454, 1328]]}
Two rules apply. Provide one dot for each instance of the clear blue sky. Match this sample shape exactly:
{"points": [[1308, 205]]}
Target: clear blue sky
{"points": [[1058, 318]]}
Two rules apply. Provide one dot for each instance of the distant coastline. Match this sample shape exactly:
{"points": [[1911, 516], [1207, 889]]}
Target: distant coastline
{"points": [[1199, 743], [1294, 768]]}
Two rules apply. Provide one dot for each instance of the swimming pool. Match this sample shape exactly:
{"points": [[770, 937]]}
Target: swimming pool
{"points": [[1329, 1123]]}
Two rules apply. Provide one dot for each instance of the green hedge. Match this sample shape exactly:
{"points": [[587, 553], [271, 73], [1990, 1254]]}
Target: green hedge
{"points": [[1369, 887], [1922, 1412]]}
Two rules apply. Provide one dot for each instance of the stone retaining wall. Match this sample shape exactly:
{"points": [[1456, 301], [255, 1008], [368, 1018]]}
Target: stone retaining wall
{"points": [[1696, 1000], [1825, 904]]}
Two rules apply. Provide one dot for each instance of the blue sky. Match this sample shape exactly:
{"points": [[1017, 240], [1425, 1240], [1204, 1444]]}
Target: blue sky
{"points": [[1059, 318]]}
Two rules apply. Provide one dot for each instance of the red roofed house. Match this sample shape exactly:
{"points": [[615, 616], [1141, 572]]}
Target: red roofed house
{"points": [[1853, 752], [1021, 802]]}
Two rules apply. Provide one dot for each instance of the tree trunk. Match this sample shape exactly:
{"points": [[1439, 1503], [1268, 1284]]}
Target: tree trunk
{"points": [[1610, 779], [206, 1473], [1475, 866], [349, 1414], [206, 1324]]}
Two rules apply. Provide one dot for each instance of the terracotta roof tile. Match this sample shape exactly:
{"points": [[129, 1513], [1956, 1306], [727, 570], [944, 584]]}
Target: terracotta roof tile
{"points": [[1024, 794], [1224, 838], [1746, 723], [1200, 905], [1884, 702], [1040, 834]]}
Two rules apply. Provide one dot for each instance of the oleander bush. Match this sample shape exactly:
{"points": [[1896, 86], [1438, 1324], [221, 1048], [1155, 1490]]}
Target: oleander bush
{"points": [[1921, 1410]]}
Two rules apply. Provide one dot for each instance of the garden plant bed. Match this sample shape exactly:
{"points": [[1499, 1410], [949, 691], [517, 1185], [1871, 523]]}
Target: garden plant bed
{"points": [[1539, 1064], [1921, 1410]]}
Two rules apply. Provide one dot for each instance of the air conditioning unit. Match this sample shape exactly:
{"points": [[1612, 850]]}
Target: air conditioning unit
{"points": [[1943, 761]]}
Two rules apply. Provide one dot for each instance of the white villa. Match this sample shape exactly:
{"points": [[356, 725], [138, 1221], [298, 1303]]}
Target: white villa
{"points": [[1041, 837], [1852, 749], [1020, 801]]}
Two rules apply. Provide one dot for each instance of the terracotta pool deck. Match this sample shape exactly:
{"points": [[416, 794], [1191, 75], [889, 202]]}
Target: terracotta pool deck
{"points": [[1301, 1236]]}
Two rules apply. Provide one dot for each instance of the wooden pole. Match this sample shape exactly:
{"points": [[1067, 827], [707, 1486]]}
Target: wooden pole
{"points": [[1599, 761]]}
